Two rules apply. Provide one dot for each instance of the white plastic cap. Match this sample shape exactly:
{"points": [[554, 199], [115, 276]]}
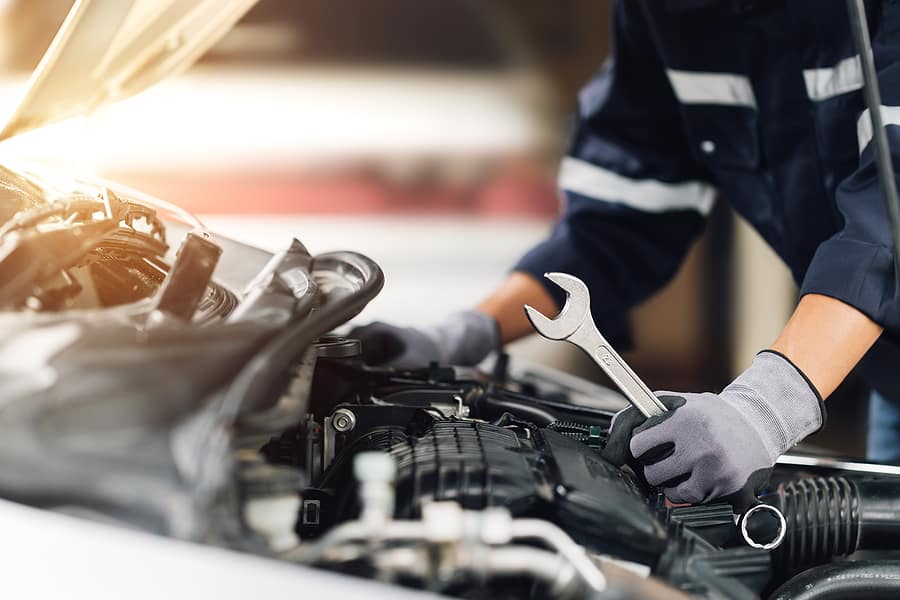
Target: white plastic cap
{"points": [[374, 467]]}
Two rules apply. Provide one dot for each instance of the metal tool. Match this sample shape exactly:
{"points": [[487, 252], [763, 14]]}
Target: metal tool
{"points": [[574, 324]]}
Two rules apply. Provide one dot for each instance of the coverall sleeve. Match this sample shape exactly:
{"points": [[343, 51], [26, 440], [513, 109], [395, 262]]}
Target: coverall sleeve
{"points": [[856, 264], [634, 198]]}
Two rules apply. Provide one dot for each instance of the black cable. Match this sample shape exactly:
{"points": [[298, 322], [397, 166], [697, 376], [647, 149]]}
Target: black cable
{"points": [[536, 414], [852, 579], [565, 407], [885, 167]]}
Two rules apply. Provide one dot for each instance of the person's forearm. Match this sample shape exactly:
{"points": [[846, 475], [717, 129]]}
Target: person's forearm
{"points": [[825, 338], [506, 304]]}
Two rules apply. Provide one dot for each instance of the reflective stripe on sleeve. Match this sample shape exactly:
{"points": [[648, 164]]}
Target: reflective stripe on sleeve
{"points": [[889, 114], [726, 89], [844, 77], [648, 195]]}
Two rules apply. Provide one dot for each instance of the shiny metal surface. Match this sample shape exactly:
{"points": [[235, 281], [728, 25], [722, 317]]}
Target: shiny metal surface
{"points": [[574, 324], [821, 463], [780, 531]]}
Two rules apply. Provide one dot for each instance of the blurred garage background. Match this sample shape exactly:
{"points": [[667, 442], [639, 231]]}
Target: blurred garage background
{"points": [[424, 133]]}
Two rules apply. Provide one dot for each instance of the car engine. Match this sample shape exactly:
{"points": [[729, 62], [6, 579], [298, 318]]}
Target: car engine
{"points": [[491, 485], [196, 389]]}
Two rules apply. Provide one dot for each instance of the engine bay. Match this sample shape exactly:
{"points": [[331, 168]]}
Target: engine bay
{"points": [[486, 485], [201, 394]]}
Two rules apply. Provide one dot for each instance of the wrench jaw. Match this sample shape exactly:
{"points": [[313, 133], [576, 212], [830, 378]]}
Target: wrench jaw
{"points": [[572, 315], [579, 297], [547, 327]]}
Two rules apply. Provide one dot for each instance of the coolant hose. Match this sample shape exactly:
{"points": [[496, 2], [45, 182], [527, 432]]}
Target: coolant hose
{"points": [[869, 579]]}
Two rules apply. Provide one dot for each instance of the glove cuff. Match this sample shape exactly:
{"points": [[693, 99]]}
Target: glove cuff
{"points": [[808, 382], [778, 400], [465, 338]]}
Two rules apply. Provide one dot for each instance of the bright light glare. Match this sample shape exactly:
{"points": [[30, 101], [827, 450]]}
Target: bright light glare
{"points": [[272, 119]]}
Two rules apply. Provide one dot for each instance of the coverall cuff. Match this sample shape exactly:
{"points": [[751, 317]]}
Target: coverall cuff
{"points": [[857, 273]]}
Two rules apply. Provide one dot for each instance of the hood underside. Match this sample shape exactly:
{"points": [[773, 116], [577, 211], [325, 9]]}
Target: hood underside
{"points": [[107, 50]]}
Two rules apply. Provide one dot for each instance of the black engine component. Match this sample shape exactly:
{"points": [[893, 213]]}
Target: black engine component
{"points": [[836, 516], [475, 464], [532, 472], [871, 579], [481, 443], [738, 573]]}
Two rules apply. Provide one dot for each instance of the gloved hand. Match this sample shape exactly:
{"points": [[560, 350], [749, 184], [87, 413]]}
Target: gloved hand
{"points": [[464, 338], [715, 446]]}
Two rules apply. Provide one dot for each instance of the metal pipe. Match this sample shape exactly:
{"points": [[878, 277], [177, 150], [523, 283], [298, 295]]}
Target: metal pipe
{"points": [[560, 541], [883, 160], [552, 569], [482, 563], [356, 531], [535, 529]]}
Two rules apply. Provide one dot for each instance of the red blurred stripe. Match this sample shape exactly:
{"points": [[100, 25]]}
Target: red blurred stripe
{"points": [[285, 194]]}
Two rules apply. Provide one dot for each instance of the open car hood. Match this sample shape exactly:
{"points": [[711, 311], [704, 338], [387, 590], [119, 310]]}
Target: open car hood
{"points": [[107, 50]]}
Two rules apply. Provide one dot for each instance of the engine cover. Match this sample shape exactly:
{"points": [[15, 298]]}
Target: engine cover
{"points": [[532, 472]]}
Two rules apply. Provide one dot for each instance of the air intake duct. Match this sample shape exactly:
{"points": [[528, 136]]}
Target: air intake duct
{"points": [[835, 516]]}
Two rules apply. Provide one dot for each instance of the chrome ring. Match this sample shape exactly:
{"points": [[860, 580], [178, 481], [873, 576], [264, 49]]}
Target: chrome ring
{"points": [[782, 527]]}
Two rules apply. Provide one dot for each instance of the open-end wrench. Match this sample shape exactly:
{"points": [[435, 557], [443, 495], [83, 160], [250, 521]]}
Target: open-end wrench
{"points": [[574, 324]]}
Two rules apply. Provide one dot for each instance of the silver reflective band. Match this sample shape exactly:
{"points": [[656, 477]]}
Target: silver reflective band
{"points": [[648, 195], [727, 89], [822, 84], [889, 114]]}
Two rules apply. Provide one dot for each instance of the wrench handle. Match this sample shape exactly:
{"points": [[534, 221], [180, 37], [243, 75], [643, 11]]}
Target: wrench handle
{"points": [[636, 391]]}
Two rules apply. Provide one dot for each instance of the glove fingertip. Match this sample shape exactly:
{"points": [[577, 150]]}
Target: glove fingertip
{"points": [[673, 496]]}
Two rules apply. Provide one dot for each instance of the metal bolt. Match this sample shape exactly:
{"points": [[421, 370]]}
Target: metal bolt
{"points": [[343, 420]]}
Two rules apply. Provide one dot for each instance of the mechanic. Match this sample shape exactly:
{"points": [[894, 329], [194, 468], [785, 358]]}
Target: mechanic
{"points": [[759, 102]]}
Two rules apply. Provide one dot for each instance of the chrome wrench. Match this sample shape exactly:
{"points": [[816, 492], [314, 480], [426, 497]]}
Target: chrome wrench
{"points": [[574, 324]]}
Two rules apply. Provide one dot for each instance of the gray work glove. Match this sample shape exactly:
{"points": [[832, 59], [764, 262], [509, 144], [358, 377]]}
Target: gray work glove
{"points": [[720, 446], [464, 339]]}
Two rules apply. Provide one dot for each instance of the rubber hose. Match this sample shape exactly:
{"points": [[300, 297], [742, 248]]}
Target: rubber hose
{"points": [[868, 579], [834, 516]]}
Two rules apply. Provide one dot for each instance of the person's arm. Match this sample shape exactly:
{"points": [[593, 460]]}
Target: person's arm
{"points": [[722, 446], [716, 445], [634, 201], [635, 198], [825, 338], [505, 305], [855, 266]]}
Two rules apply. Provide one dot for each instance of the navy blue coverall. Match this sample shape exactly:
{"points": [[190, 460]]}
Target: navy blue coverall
{"points": [[759, 103]]}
